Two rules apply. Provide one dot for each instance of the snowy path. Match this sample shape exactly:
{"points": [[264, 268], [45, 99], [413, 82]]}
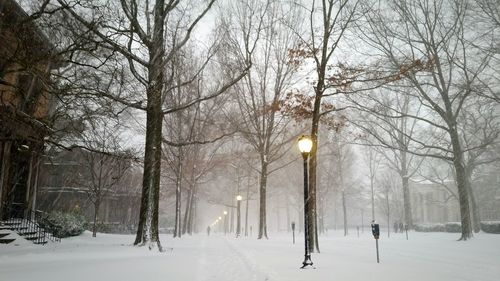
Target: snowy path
{"points": [[222, 260], [109, 257], [430, 257]]}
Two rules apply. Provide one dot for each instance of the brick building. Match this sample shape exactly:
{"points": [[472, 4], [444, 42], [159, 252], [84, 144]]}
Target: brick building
{"points": [[26, 60]]}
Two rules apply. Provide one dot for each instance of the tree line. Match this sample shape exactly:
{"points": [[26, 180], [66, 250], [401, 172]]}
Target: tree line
{"points": [[409, 80]]}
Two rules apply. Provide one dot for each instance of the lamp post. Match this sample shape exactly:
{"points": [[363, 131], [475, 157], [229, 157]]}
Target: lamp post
{"points": [[238, 220], [305, 146], [225, 222]]}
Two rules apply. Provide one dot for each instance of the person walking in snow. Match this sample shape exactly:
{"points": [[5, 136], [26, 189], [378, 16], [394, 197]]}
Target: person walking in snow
{"points": [[208, 230]]}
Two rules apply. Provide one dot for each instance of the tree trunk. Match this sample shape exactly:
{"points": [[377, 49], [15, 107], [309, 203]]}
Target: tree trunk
{"points": [[192, 210], [408, 217], [463, 198], [278, 218], [96, 215], [231, 224], [344, 209], [147, 231], [187, 211], [247, 199], [476, 217], [178, 194], [388, 205], [372, 186], [262, 201]]}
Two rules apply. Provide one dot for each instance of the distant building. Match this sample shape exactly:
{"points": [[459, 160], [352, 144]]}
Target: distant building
{"points": [[487, 186], [64, 183], [432, 202], [26, 60]]}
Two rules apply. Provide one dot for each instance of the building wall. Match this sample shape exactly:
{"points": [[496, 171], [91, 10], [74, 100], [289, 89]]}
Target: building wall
{"points": [[25, 64], [62, 187], [432, 203]]}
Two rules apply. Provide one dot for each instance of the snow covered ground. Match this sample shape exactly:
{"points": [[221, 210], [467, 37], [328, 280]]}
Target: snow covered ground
{"points": [[425, 256]]}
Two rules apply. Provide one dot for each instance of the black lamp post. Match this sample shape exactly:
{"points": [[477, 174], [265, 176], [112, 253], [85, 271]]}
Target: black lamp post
{"points": [[305, 146], [238, 215]]}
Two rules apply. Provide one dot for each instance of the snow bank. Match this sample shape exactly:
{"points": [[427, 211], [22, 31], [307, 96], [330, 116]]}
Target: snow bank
{"points": [[491, 226]]}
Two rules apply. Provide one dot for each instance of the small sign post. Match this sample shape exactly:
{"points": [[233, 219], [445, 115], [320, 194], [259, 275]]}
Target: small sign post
{"points": [[376, 235]]}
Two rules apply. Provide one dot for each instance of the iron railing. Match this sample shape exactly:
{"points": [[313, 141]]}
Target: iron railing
{"points": [[26, 224]]}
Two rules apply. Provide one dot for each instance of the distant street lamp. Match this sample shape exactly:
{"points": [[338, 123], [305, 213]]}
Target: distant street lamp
{"points": [[305, 146], [238, 222], [225, 222]]}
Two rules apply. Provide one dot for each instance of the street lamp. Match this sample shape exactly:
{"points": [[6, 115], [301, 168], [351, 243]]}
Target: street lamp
{"points": [[238, 223], [305, 146], [225, 222]]}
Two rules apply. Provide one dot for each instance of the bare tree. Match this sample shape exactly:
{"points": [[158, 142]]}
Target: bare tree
{"points": [[373, 160], [388, 197], [261, 92], [434, 38], [138, 40], [480, 129], [104, 165], [344, 159], [190, 136], [328, 22], [387, 123]]}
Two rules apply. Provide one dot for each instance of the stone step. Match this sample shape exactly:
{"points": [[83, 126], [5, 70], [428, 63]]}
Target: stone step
{"points": [[16, 222], [28, 233], [6, 240], [17, 228], [33, 238]]}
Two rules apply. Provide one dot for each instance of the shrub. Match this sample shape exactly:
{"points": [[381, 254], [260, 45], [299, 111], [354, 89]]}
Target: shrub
{"points": [[491, 226], [63, 224], [454, 227], [429, 227]]}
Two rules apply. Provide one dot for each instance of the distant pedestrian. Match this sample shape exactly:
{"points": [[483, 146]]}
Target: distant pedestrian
{"points": [[208, 230], [396, 227], [401, 227]]}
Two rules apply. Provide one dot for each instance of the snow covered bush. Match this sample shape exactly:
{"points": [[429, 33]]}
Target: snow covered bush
{"points": [[455, 227], [491, 226], [63, 224], [429, 227]]}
